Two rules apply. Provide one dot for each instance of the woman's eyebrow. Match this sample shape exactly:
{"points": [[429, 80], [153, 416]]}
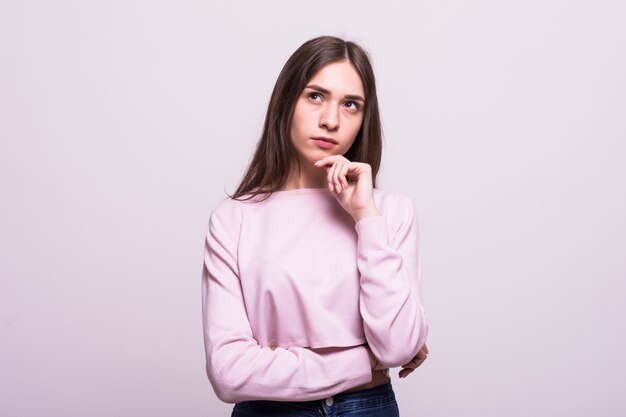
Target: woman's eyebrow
{"points": [[325, 91]]}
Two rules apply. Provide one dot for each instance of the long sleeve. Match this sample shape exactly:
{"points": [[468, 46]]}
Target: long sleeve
{"points": [[238, 368], [390, 277]]}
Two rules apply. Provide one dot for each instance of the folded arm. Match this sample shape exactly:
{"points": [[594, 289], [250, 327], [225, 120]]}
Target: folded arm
{"points": [[390, 275], [238, 368]]}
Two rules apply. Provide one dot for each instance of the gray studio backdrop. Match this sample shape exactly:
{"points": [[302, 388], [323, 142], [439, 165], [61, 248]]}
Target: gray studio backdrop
{"points": [[122, 122]]}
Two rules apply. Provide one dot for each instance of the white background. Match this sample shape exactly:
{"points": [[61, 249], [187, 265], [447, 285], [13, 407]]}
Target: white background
{"points": [[123, 122]]}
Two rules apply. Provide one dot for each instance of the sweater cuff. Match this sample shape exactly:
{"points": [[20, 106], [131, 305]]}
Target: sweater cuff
{"points": [[373, 229]]}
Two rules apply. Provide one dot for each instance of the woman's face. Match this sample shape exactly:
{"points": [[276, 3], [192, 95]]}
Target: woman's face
{"points": [[331, 106]]}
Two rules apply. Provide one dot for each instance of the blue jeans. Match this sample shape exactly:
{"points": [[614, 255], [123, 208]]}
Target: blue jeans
{"points": [[379, 401]]}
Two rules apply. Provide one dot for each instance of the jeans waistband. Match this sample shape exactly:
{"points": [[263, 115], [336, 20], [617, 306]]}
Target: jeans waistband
{"points": [[381, 389]]}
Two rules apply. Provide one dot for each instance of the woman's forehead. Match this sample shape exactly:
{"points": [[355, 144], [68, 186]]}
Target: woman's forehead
{"points": [[340, 78]]}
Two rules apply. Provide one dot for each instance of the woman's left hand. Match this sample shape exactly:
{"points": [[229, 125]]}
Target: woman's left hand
{"points": [[409, 367], [352, 185]]}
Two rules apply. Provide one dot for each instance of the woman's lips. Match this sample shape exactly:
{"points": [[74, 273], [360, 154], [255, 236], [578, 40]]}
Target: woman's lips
{"points": [[323, 144]]}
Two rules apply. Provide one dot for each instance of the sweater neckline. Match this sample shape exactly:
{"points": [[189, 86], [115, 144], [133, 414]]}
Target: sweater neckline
{"points": [[299, 191], [294, 191]]}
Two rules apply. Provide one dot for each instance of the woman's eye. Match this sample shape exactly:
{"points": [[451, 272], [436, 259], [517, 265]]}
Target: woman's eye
{"points": [[354, 106], [313, 95]]}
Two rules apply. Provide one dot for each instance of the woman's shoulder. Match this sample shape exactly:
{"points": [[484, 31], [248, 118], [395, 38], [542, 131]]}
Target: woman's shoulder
{"points": [[233, 208], [393, 198], [228, 210], [239, 202], [397, 206]]}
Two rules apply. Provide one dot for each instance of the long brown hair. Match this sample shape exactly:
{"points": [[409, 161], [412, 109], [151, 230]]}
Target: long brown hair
{"points": [[274, 154]]}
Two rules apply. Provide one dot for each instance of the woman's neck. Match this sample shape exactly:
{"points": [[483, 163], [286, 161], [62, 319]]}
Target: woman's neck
{"points": [[309, 176]]}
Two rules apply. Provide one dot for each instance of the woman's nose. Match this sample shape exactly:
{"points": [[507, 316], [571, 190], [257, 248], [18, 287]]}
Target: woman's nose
{"points": [[329, 117]]}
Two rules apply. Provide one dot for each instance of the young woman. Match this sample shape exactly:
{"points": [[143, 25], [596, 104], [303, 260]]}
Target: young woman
{"points": [[311, 281]]}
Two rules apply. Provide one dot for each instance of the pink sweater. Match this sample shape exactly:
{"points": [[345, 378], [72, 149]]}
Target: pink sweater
{"points": [[296, 273]]}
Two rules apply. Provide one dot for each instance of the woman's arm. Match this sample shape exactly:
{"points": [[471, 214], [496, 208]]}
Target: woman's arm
{"points": [[394, 321], [390, 300], [238, 368]]}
